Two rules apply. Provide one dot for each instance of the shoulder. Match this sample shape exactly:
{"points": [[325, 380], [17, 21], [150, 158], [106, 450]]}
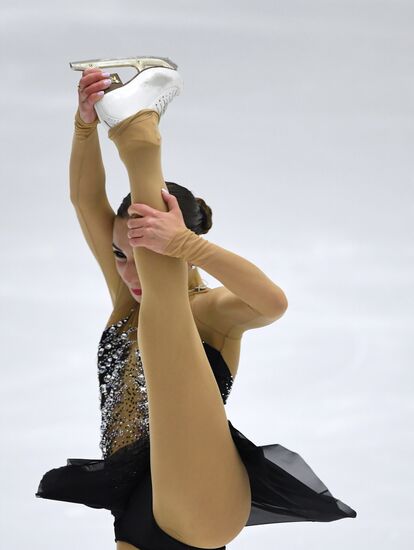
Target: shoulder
{"points": [[219, 309], [227, 313], [209, 322], [205, 307], [213, 328]]}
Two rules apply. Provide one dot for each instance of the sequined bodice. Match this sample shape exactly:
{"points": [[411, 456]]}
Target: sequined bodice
{"points": [[123, 394]]}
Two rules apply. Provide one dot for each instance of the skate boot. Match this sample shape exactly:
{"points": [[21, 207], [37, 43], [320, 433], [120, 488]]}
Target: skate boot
{"points": [[154, 86]]}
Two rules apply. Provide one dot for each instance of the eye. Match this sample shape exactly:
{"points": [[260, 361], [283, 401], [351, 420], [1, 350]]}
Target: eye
{"points": [[118, 254]]}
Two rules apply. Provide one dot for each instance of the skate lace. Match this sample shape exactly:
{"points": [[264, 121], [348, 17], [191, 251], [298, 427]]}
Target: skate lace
{"points": [[164, 100]]}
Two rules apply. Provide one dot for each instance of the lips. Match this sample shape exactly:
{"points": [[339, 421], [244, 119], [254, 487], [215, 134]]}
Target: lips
{"points": [[137, 291]]}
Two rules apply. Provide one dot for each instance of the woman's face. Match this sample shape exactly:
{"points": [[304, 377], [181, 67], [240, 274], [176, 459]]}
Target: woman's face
{"points": [[124, 258]]}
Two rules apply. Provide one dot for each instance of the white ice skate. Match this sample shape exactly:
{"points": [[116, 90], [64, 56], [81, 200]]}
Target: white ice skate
{"points": [[154, 87]]}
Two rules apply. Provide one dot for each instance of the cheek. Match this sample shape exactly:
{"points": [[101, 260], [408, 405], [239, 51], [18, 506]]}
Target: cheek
{"points": [[120, 267]]}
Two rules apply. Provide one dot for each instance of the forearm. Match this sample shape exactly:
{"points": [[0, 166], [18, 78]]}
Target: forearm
{"points": [[86, 169], [237, 274]]}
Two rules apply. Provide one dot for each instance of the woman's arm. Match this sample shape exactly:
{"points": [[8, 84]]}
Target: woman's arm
{"points": [[249, 299], [88, 196]]}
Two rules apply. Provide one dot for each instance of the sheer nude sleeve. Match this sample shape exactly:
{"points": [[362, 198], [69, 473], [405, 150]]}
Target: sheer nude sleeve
{"points": [[88, 196], [248, 298]]}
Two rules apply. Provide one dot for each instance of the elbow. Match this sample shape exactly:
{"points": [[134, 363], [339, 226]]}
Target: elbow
{"points": [[73, 196], [279, 305]]}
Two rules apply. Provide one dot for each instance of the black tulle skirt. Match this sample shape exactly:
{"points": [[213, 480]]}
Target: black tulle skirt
{"points": [[283, 486]]}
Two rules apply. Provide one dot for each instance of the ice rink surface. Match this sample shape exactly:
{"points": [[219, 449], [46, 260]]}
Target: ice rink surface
{"points": [[296, 127]]}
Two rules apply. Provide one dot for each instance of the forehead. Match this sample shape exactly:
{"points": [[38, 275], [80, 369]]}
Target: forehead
{"points": [[120, 230]]}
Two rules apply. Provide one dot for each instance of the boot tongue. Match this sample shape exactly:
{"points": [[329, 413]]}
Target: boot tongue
{"points": [[116, 82]]}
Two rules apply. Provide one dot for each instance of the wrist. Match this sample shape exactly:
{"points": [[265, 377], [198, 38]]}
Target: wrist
{"points": [[79, 121], [179, 246]]}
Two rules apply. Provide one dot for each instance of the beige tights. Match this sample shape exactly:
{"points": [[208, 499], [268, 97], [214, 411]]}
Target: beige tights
{"points": [[201, 490]]}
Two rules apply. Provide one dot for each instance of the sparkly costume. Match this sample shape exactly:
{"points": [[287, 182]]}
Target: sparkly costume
{"points": [[124, 404], [283, 487], [123, 394]]}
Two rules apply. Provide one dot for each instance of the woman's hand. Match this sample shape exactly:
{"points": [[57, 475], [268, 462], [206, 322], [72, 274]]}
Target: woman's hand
{"points": [[154, 229], [90, 90]]}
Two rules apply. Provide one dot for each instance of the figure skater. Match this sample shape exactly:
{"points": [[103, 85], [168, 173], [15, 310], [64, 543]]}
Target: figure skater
{"points": [[175, 473]]}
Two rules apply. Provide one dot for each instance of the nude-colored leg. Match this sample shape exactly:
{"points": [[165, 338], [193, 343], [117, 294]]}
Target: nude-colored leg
{"points": [[201, 490]]}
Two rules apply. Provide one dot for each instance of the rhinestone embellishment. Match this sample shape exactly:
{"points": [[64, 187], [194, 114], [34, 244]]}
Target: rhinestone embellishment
{"points": [[123, 393], [122, 388]]}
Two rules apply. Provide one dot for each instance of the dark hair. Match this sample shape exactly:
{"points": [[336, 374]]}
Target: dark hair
{"points": [[196, 213]]}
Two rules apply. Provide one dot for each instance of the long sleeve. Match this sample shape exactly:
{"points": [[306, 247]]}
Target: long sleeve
{"points": [[87, 172], [242, 278], [89, 198]]}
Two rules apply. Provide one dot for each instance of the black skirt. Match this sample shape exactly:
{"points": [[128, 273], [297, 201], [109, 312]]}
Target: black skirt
{"points": [[283, 486]]}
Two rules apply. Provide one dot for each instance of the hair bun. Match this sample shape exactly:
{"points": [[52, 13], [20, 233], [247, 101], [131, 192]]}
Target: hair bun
{"points": [[207, 215]]}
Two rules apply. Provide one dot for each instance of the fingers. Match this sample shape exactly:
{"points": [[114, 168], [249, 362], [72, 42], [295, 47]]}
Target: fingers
{"points": [[93, 81], [142, 209], [135, 233], [136, 223]]}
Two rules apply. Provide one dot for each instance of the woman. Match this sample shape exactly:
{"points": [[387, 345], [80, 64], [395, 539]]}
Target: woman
{"points": [[175, 473]]}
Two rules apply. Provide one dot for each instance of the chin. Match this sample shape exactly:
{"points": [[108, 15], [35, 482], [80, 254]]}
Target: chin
{"points": [[136, 298]]}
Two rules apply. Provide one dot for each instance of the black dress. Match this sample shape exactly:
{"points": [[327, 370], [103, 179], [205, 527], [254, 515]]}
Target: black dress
{"points": [[283, 487]]}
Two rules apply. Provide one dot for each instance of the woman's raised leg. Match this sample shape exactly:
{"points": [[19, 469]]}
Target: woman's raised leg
{"points": [[201, 490]]}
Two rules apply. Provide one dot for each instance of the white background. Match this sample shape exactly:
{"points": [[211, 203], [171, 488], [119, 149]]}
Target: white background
{"points": [[295, 125]]}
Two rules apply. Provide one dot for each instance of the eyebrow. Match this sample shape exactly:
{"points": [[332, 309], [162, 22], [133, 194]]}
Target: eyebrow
{"points": [[117, 247]]}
